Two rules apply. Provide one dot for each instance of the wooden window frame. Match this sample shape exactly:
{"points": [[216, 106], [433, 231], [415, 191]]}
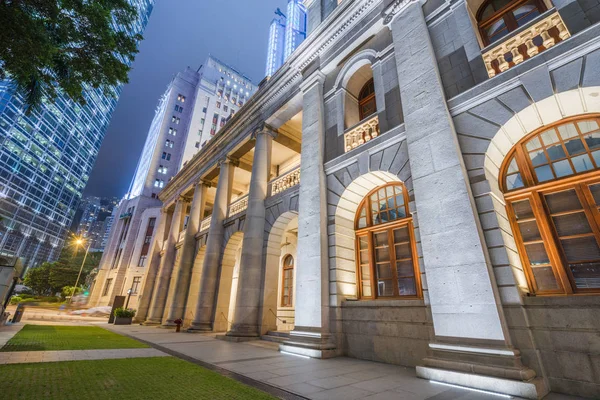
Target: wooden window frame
{"points": [[365, 99], [285, 268], [535, 193], [369, 231], [505, 13]]}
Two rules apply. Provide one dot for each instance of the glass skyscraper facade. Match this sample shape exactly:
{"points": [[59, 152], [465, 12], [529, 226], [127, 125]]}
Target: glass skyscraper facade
{"points": [[46, 158], [286, 33]]}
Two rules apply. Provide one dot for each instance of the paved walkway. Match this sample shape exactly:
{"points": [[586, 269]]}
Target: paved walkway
{"points": [[338, 378], [21, 357]]}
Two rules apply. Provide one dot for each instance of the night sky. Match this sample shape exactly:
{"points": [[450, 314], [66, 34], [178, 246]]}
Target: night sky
{"points": [[180, 33]]}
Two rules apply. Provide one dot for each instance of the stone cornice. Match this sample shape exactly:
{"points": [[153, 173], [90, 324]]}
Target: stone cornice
{"points": [[396, 8]]}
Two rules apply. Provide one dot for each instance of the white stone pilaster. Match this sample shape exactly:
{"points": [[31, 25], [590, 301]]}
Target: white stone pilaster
{"points": [[311, 333], [183, 274], [246, 316], [203, 315], [163, 280], [153, 265]]}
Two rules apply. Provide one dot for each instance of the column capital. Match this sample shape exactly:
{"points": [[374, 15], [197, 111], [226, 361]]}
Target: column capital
{"points": [[315, 78], [396, 8], [203, 182], [264, 129], [228, 160]]}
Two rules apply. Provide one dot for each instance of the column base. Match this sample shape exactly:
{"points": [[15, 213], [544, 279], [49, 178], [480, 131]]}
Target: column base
{"points": [[152, 322], [309, 342], [200, 327], [533, 389], [495, 369], [237, 339]]}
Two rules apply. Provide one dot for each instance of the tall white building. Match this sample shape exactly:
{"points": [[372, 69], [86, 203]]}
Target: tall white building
{"points": [[195, 106]]}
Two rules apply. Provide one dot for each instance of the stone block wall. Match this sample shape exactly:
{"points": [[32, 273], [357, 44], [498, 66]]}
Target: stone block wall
{"points": [[558, 337], [390, 331]]}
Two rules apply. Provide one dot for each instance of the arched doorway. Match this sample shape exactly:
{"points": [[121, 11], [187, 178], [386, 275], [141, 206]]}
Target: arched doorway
{"points": [[228, 277], [551, 184], [194, 291], [280, 275]]}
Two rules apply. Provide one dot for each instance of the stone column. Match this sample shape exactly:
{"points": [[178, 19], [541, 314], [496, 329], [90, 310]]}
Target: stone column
{"points": [[182, 276], [161, 286], [380, 95], [311, 334], [152, 271], [470, 329], [204, 315], [249, 289]]}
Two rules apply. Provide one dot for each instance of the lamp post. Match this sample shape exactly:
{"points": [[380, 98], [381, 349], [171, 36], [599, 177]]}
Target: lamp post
{"points": [[79, 242]]}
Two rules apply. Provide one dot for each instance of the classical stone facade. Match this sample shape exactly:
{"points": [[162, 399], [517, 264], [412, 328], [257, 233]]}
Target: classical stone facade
{"points": [[417, 185]]}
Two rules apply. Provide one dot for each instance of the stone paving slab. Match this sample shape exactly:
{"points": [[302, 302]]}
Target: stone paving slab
{"points": [[22, 357], [341, 378], [8, 331]]}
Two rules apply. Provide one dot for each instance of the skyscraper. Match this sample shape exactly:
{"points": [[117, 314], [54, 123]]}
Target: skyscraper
{"points": [[285, 34], [194, 107], [45, 161]]}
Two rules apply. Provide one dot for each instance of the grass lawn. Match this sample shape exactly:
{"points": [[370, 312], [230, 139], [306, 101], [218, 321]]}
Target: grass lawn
{"points": [[47, 338], [142, 378]]}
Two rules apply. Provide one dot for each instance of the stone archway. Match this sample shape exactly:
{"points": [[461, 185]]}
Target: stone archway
{"points": [[194, 291], [227, 278], [281, 241], [342, 255], [577, 102]]}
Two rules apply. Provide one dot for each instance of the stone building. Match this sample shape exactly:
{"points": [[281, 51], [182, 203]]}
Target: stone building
{"points": [[419, 185]]}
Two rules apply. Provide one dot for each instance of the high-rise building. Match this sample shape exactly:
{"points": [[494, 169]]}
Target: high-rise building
{"points": [[195, 106], [286, 33], [276, 48], [94, 213], [45, 161], [295, 29]]}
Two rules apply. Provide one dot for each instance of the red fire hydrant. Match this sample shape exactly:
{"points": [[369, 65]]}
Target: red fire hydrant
{"points": [[178, 322]]}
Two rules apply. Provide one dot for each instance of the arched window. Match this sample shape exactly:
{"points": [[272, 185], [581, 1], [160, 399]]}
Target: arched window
{"points": [[386, 254], [496, 18], [287, 281], [366, 100], [551, 181]]}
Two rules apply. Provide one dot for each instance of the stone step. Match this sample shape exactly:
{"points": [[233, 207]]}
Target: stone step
{"points": [[276, 336]]}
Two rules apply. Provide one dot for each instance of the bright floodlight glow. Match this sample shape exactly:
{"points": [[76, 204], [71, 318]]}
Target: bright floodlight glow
{"points": [[506, 396]]}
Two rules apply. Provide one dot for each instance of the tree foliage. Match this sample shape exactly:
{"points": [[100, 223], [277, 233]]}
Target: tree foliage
{"points": [[65, 45], [51, 278]]}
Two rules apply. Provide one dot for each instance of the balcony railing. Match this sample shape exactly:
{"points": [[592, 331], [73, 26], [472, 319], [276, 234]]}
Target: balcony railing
{"points": [[205, 224], [361, 133], [238, 206], [285, 181], [525, 44]]}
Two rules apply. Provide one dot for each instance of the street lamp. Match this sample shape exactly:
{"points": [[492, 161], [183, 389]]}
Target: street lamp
{"points": [[79, 241]]}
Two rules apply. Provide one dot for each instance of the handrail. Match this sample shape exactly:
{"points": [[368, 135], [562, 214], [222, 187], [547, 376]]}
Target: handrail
{"points": [[238, 206], [361, 133], [205, 223], [527, 43], [285, 181]]}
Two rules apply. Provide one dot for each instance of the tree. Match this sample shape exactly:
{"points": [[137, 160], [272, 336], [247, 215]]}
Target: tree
{"points": [[51, 278], [37, 279], [65, 44]]}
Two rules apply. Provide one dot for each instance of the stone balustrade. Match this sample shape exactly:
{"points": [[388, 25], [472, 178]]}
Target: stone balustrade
{"points": [[286, 181], [361, 133], [205, 224], [541, 35], [238, 206]]}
